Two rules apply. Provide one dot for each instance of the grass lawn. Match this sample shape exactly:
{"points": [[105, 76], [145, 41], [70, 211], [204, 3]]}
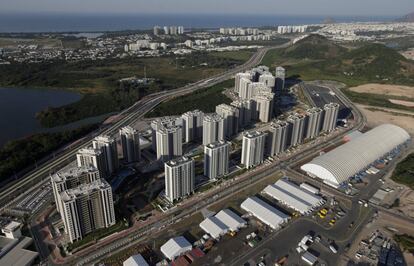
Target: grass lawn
{"points": [[404, 172]]}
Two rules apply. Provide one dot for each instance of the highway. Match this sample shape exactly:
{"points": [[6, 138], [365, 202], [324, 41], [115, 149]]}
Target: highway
{"points": [[40, 175]]}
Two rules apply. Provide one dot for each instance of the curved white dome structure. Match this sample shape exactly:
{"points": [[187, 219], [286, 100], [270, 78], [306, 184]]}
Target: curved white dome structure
{"points": [[338, 165]]}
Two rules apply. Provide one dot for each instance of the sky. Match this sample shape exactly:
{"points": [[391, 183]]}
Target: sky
{"points": [[279, 7]]}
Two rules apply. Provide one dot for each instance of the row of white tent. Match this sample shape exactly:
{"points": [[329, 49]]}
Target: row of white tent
{"points": [[301, 198], [294, 196]]}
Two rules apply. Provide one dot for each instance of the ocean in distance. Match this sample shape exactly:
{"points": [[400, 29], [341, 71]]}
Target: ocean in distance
{"points": [[96, 23]]}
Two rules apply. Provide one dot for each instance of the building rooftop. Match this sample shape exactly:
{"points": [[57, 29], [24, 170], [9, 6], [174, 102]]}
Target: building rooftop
{"points": [[90, 151], [313, 110], [163, 121], [73, 171], [104, 139], [193, 113], [178, 161], [128, 130], [254, 134], [168, 129], [84, 189], [240, 102], [217, 144], [295, 117], [213, 117], [278, 124]]}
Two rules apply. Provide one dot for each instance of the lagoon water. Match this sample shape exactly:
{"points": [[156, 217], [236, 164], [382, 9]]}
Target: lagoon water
{"points": [[18, 107]]}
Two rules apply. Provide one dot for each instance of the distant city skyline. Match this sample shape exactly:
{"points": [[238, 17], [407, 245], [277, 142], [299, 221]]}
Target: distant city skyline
{"points": [[268, 7]]}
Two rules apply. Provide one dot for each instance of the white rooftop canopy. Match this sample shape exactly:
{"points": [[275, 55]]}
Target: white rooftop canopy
{"points": [[338, 165], [293, 196], [214, 227], [135, 260], [230, 219], [264, 212], [175, 247]]}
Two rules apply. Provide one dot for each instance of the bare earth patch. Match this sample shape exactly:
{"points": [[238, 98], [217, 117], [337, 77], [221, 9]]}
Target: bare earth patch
{"points": [[400, 102], [385, 89], [378, 116], [407, 202]]}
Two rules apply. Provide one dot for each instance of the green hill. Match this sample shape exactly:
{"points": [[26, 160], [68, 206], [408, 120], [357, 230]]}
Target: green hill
{"points": [[314, 47], [316, 57]]}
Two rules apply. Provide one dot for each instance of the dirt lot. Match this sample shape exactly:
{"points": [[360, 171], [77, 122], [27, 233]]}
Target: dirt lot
{"points": [[407, 202], [377, 116], [392, 90]]}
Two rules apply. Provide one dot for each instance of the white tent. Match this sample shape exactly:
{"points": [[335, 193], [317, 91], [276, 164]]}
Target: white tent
{"points": [[175, 247], [214, 227], [264, 212], [293, 196], [231, 220], [135, 260]]}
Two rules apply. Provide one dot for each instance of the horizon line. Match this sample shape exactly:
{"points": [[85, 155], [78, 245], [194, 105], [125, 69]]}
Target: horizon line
{"points": [[196, 14]]}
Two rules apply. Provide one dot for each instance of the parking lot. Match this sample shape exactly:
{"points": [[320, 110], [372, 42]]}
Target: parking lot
{"points": [[322, 95]]}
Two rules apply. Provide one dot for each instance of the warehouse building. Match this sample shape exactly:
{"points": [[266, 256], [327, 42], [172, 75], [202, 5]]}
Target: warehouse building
{"points": [[293, 196], [214, 227], [264, 212], [175, 247], [337, 166]]}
